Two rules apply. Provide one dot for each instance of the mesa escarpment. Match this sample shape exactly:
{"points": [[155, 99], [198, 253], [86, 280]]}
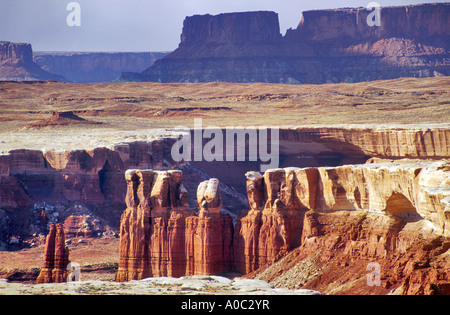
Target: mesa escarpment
{"points": [[95, 67], [16, 64], [327, 46]]}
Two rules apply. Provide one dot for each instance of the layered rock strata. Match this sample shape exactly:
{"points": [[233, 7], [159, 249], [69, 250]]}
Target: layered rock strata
{"points": [[56, 257], [56, 185], [40, 187], [160, 237], [406, 193], [327, 46], [16, 64], [317, 228]]}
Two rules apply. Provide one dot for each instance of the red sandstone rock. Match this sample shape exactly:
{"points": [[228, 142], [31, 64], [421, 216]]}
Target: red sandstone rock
{"points": [[264, 235], [56, 257], [394, 214], [16, 63], [160, 237], [82, 226]]}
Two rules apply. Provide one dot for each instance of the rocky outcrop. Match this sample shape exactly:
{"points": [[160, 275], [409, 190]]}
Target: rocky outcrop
{"points": [[56, 257], [257, 27], [83, 226], [317, 228], [393, 214], [95, 67], [351, 24], [16, 51], [408, 192], [272, 227], [16, 64], [327, 46], [160, 237]]}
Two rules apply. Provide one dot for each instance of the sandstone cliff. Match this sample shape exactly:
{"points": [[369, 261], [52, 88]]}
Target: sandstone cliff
{"points": [[84, 189], [56, 257], [317, 228], [394, 214], [95, 67], [16, 64], [327, 46], [160, 237]]}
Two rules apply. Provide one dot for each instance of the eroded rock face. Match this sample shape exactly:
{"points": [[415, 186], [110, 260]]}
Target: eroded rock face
{"points": [[272, 227], [241, 27], [56, 257], [392, 214], [333, 221], [16, 63], [79, 182], [159, 236]]}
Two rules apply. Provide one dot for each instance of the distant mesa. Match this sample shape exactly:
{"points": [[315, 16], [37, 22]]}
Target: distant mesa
{"points": [[94, 67], [16, 64], [61, 119], [328, 46]]}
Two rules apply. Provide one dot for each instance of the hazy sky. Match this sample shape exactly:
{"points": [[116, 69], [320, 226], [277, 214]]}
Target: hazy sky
{"points": [[136, 25]]}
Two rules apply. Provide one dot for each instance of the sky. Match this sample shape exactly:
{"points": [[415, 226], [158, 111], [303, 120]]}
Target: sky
{"points": [[137, 25]]}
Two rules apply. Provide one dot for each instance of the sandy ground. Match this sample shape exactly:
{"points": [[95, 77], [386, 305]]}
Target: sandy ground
{"points": [[134, 106], [194, 285], [126, 112]]}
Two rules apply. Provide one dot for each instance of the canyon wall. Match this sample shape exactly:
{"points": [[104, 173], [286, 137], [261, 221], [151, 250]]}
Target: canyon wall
{"points": [[85, 188], [95, 67], [328, 46], [160, 237], [16, 64]]}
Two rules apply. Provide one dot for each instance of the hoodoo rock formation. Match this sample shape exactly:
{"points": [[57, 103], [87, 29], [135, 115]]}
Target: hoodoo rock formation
{"points": [[394, 213], [327, 46], [56, 257], [160, 237], [273, 225], [16, 64]]}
